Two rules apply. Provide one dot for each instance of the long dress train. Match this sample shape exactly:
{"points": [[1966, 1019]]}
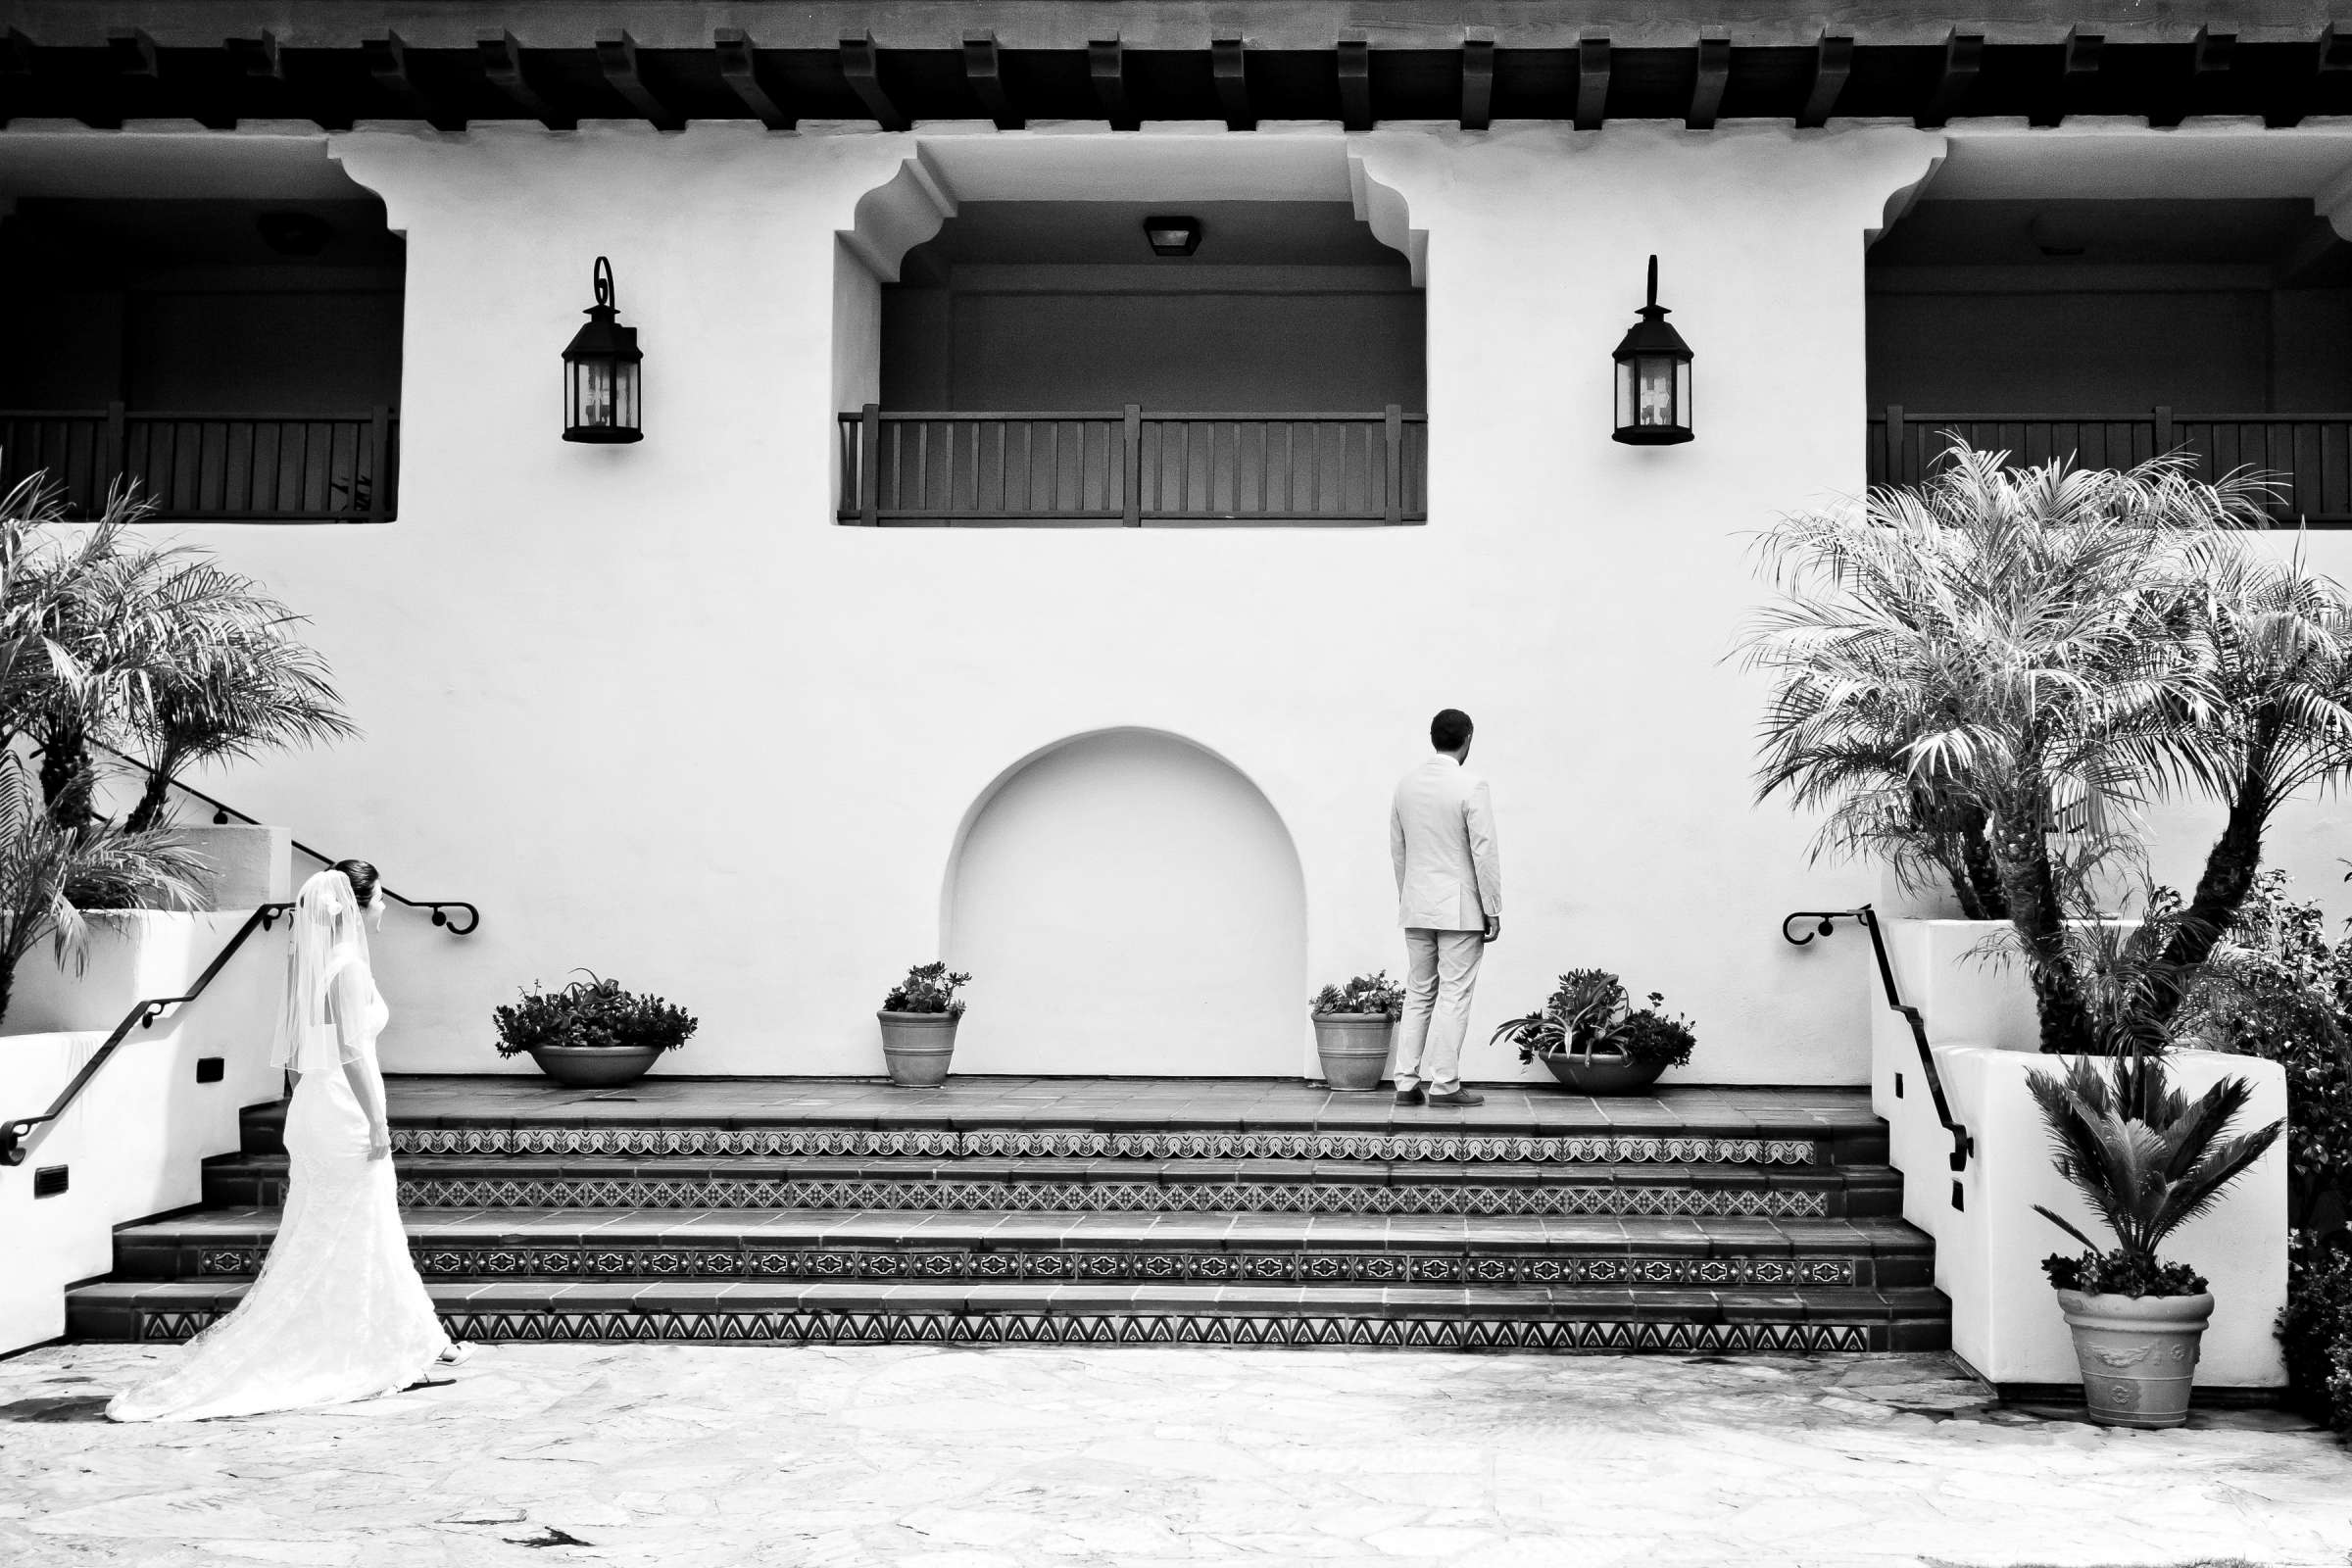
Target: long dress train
{"points": [[337, 1313]]}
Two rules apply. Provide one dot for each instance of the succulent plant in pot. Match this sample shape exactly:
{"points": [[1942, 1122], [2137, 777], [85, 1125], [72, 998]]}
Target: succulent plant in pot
{"points": [[590, 1034], [2147, 1157], [1353, 1024], [919, 1025], [1594, 1040]]}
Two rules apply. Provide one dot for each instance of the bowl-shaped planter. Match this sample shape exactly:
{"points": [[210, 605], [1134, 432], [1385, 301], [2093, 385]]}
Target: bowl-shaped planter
{"points": [[594, 1066], [1354, 1048], [917, 1047], [2138, 1353], [1602, 1072]]}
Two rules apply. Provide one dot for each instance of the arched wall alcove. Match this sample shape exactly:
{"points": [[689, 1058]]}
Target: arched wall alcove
{"points": [[1128, 903]]}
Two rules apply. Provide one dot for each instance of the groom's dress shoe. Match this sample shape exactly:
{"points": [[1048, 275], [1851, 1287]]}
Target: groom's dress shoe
{"points": [[1411, 1097], [1459, 1096]]}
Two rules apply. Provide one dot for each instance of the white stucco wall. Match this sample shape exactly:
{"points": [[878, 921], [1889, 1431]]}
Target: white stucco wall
{"points": [[660, 717]]}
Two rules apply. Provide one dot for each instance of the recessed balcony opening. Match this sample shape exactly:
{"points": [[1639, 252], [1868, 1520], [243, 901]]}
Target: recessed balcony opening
{"points": [[236, 356], [2116, 329], [1109, 363]]}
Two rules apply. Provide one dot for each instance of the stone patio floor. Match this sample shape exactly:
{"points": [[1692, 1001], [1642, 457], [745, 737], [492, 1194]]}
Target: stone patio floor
{"points": [[925, 1457]]}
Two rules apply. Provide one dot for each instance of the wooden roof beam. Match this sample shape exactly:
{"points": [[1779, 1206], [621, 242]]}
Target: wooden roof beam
{"points": [[2210, 55], [1592, 82], [1707, 91], [863, 66], [1228, 63], [258, 57], [387, 61], [1356, 82], [985, 71], [616, 58], [739, 65], [502, 63], [1478, 78], [1963, 55], [1833, 63], [132, 51], [1106, 65]]}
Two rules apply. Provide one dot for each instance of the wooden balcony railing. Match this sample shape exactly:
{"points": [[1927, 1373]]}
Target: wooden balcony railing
{"points": [[2308, 456], [1126, 467], [213, 467]]}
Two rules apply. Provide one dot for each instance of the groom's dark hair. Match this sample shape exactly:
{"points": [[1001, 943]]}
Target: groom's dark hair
{"points": [[1450, 729]]}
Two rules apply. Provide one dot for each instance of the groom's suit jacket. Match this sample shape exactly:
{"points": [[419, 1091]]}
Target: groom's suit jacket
{"points": [[1442, 839]]}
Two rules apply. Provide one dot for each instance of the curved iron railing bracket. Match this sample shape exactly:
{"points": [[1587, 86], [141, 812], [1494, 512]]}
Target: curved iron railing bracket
{"points": [[1963, 1144]]}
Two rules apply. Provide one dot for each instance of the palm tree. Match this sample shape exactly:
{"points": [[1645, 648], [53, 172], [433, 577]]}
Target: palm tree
{"points": [[1964, 667], [259, 690], [50, 871], [2145, 1155], [106, 637], [2279, 651]]}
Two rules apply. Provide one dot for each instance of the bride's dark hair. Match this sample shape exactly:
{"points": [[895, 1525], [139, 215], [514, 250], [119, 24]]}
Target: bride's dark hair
{"points": [[363, 879]]}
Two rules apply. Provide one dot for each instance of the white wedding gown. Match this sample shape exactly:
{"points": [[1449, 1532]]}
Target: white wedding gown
{"points": [[337, 1313]]}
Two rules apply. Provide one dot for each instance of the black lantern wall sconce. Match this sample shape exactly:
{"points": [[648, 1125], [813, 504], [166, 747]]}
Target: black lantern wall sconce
{"points": [[600, 368], [1653, 378]]}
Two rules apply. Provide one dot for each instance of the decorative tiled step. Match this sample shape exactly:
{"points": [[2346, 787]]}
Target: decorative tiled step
{"points": [[1125, 1118], [1473, 1317], [754, 1245], [1272, 1186]]}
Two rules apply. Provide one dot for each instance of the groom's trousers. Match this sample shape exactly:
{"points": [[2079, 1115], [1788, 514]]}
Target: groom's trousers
{"points": [[1441, 971]]}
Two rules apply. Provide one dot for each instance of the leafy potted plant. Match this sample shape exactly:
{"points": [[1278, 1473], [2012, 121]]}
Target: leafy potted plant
{"points": [[590, 1034], [919, 1025], [1352, 1026], [1594, 1040], [2147, 1157]]}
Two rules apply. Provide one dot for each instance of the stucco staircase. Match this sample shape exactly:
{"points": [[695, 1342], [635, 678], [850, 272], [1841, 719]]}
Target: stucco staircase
{"points": [[1056, 1210]]}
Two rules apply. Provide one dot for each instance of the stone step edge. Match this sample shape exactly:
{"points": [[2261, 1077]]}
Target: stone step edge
{"points": [[991, 1296], [1439, 1146], [1042, 1169]]}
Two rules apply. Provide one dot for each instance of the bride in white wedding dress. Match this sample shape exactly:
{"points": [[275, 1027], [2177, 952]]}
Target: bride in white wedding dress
{"points": [[338, 1312]]}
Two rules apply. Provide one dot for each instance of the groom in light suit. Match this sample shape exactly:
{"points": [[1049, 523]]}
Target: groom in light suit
{"points": [[1449, 902]]}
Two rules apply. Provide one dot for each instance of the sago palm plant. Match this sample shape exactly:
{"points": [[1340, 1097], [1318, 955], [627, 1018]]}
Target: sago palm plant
{"points": [[2145, 1155], [1964, 667], [257, 690]]}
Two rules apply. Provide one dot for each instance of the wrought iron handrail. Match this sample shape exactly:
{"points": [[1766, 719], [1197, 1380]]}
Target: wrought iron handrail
{"points": [[223, 811], [1963, 1144], [142, 1015]]}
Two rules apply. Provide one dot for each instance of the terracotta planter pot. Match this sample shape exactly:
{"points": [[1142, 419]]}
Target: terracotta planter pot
{"points": [[917, 1047], [1603, 1072], [1354, 1048], [594, 1066], [2138, 1354]]}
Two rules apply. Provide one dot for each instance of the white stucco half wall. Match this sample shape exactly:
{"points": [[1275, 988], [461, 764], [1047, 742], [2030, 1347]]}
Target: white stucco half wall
{"points": [[1989, 1245], [134, 1143]]}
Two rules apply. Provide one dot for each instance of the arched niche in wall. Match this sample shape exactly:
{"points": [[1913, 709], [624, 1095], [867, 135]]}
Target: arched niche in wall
{"points": [[1129, 903]]}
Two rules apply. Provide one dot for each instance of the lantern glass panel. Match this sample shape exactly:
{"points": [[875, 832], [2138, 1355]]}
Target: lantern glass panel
{"points": [[1654, 404]]}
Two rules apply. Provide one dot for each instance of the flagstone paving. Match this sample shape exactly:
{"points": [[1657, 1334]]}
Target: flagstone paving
{"points": [[918, 1456]]}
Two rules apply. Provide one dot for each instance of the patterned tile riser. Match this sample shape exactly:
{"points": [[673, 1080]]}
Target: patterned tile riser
{"points": [[1307, 1268], [1079, 1144], [1140, 1328], [1281, 1198]]}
